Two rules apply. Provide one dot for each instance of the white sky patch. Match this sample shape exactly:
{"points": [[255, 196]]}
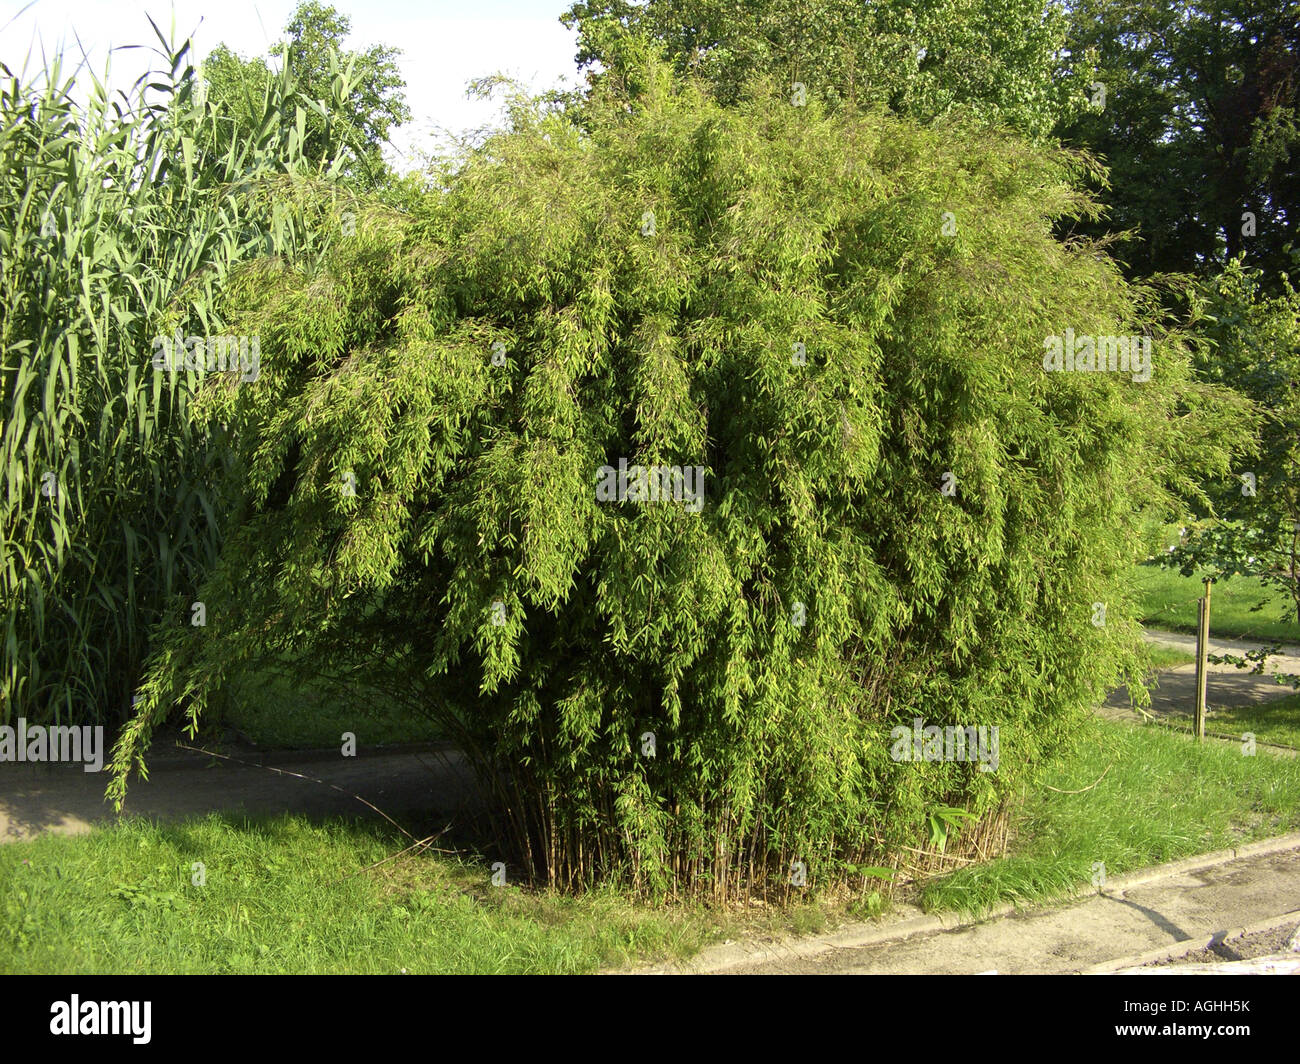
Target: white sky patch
{"points": [[444, 43]]}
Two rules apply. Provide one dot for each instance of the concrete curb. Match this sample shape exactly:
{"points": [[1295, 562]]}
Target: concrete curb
{"points": [[717, 959], [1190, 945]]}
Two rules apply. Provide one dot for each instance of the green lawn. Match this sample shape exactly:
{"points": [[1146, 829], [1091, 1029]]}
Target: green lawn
{"points": [[283, 895], [1163, 657], [1271, 722], [1163, 797], [1168, 601], [280, 896]]}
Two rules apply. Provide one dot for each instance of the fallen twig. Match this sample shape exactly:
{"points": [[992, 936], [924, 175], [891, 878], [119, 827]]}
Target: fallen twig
{"points": [[299, 775], [940, 853], [422, 844], [1087, 788]]}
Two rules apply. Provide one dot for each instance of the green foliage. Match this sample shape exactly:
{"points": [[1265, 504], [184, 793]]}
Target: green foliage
{"points": [[944, 821], [1198, 127], [1252, 342], [995, 60], [350, 134], [421, 455], [116, 227]]}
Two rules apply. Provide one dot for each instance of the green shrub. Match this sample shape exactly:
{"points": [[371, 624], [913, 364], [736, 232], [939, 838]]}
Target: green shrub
{"points": [[423, 457]]}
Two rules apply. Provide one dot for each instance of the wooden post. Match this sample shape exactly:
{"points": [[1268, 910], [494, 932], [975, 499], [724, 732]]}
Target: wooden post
{"points": [[1202, 648]]}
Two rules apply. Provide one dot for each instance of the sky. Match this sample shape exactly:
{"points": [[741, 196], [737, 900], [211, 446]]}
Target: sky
{"points": [[444, 44]]}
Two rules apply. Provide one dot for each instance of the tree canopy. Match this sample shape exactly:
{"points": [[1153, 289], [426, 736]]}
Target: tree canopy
{"points": [[996, 60], [1250, 341], [1198, 122], [313, 50]]}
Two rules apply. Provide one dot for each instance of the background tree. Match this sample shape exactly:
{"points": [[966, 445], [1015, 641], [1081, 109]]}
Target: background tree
{"points": [[1197, 123], [1200, 126], [313, 50], [1252, 344], [998, 60]]}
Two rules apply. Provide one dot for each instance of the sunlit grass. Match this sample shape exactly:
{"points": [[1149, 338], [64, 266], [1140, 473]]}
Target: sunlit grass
{"points": [[285, 896], [1168, 601], [1276, 721], [1163, 796]]}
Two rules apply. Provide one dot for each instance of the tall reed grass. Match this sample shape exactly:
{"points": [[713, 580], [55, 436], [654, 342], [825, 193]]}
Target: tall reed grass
{"points": [[121, 214]]}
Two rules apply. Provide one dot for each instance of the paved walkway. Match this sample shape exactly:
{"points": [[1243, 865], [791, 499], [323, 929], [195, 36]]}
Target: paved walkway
{"points": [[1068, 938], [1287, 661], [1173, 696], [418, 785], [420, 788]]}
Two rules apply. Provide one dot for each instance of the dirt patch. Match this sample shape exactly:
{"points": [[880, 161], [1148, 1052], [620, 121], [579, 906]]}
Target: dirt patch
{"points": [[1245, 948]]}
